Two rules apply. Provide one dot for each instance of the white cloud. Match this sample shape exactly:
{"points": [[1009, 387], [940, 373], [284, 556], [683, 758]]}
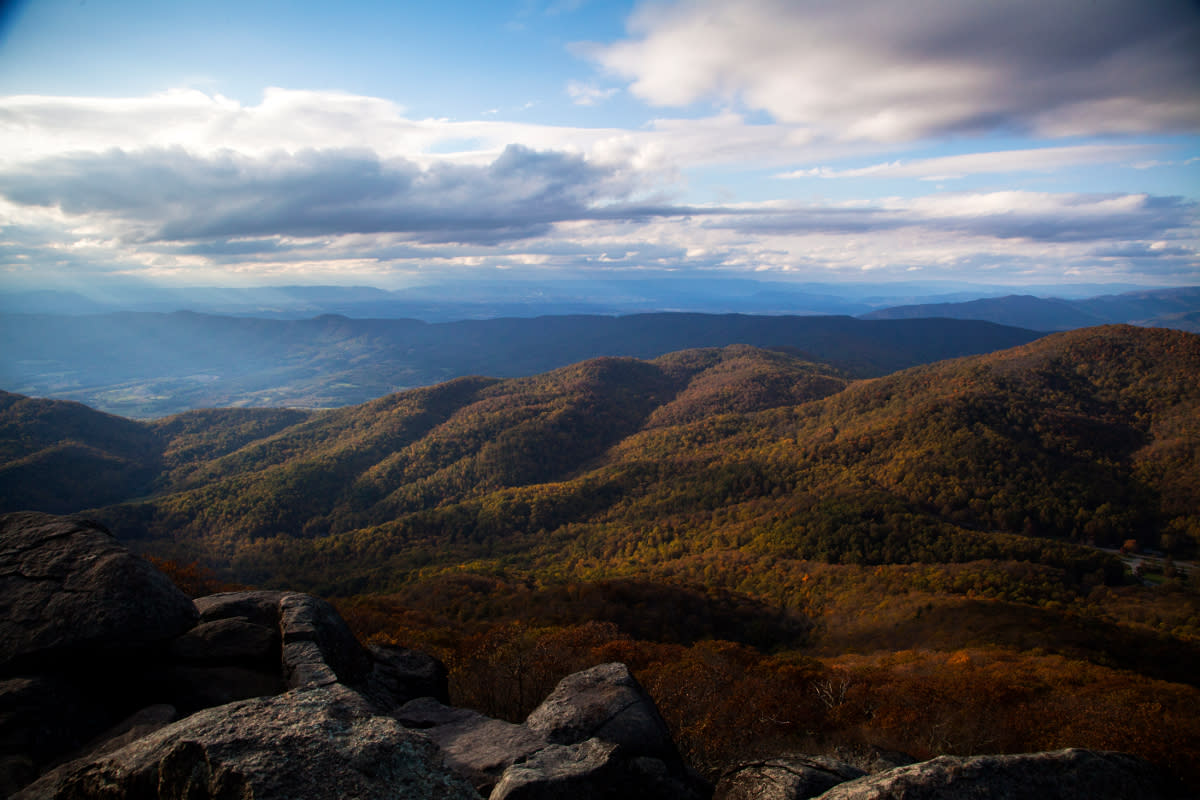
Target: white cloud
{"points": [[348, 188], [886, 71], [1041, 159], [586, 94]]}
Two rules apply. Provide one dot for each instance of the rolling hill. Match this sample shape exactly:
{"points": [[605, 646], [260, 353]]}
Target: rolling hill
{"points": [[1084, 437]]}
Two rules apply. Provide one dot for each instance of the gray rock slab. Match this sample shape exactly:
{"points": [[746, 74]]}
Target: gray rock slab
{"points": [[795, 777], [479, 747], [233, 640], [68, 588], [315, 744], [1072, 774], [606, 703]]}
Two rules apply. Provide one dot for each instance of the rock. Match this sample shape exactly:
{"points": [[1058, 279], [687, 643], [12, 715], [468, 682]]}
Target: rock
{"points": [[316, 639], [591, 770], [318, 744], [784, 778], [258, 606], [134, 727], [479, 747], [1072, 774], [42, 716], [234, 640], [399, 675], [606, 703], [68, 590], [193, 688], [317, 648]]}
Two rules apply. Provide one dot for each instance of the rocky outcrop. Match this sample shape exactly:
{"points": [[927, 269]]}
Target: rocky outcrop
{"points": [[606, 703], [268, 694], [76, 611], [400, 675], [114, 685], [320, 742], [68, 588], [605, 739], [785, 778], [479, 747], [1063, 774]]}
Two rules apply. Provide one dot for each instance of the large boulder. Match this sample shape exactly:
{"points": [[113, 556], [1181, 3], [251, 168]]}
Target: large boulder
{"points": [[593, 770], [590, 770], [607, 703], [316, 646], [784, 778], [400, 675], [70, 591], [1072, 774], [479, 747], [322, 743]]}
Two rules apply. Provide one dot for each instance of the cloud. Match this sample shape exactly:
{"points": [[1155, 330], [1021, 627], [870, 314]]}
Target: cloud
{"points": [[1031, 216], [1041, 159], [173, 195], [585, 94], [885, 71]]}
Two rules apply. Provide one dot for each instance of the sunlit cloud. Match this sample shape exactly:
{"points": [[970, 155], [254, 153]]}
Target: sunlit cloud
{"points": [[1042, 159], [885, 71]]}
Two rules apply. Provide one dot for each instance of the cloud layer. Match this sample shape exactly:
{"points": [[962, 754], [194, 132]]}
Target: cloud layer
{"points": [[1048, 115], [886, 71], [169, 194]]}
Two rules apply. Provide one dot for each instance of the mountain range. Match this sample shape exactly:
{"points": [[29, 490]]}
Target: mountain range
{"points": [[923, 561], [145, 364], [1166, 308]]}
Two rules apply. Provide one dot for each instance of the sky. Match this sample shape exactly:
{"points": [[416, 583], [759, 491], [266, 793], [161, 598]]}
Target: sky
{"points": [[259, 142]]}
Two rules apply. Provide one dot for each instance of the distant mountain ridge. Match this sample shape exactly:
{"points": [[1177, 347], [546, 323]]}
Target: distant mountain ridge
{"points": [[1088, 435], [150, 364], [1166, 308]]}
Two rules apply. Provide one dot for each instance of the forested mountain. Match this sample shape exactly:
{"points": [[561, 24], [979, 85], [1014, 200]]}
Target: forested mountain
{"points": [[150, 364], [1165, 308], [908, 561], [1087, 437]]}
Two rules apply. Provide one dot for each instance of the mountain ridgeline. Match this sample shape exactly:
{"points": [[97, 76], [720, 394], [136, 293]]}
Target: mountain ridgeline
{"points": [[154, 364], [1086, 437]]}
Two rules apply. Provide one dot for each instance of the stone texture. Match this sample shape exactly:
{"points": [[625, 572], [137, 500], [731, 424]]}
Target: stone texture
{"points": [[784, 778], [606, 703], [234, 640], [1072, 774], [593, 770], [192, 688], [321, 744], [588, 770], [134, 727], [399, 675], [479, 747], [68, 589], [317, 644], [259, 606]]}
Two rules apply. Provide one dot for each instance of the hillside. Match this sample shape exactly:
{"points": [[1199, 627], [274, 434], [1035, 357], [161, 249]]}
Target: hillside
{"points": [[907, 561], [1163, 308], [1085, 437], [152, 364]]}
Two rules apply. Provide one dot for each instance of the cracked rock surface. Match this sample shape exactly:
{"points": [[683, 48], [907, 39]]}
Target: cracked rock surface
{"points": [[67, 587], [321, 743]]}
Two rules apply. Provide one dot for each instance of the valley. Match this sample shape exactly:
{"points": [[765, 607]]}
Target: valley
{"points": [[907, 561]]}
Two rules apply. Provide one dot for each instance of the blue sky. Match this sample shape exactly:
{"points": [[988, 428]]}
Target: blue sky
{"points": [[1009, 142]]}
